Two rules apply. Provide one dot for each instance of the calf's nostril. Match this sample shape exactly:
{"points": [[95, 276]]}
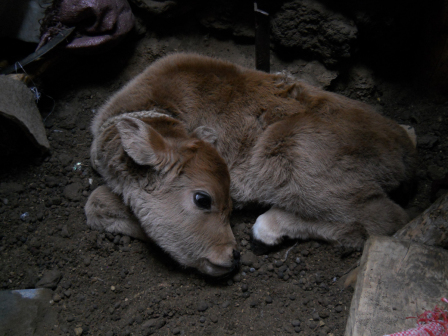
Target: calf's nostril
{"points": [[236, 255]]}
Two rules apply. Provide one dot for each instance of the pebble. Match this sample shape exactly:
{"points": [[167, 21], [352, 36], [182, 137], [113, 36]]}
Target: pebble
{"points": [[176, 331], [56, 297], [78, 331], [304, 253], [248, 259], [87, 261], [50, 279], [225, 304], [202, 319], [244, 287], [214, 318], [73, 191], [338, 309], [125, 240], [202, 306], [64, 232], [268, 299], [295, 323]]}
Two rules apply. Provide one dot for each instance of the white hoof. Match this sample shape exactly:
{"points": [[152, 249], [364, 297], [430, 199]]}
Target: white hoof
{"points": [[263, 232]]}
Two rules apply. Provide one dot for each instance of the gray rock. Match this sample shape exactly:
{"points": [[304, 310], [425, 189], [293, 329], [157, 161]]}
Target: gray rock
{"points": [[65, 159], [125, 240], [248, 259], [64, 232], [225, 304], [311, 27], [17, 103], [11, 187], [153, 324], [73, 191], [50, 279], [202, 306], [427, 141]]}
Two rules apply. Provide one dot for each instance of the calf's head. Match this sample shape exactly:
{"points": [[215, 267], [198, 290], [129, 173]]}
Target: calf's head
{"points": [[179, 190]]}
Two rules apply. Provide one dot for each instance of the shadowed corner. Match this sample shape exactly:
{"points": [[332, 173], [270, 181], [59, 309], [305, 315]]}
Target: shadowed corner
{"points": [[258, 247]]}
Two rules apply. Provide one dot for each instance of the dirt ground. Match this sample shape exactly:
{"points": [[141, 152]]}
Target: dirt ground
{"points": [[107, 284]]}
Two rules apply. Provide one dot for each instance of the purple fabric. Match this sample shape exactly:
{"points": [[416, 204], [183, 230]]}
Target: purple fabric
{"points": [[101, 23]]}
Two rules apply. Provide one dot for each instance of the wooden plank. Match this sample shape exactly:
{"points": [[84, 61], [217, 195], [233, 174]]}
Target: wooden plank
{"points": [[397, 279], [431, 227]]}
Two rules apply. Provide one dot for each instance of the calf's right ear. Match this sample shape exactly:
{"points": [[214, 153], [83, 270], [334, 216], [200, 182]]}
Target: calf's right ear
{"points": [[144, 144]]}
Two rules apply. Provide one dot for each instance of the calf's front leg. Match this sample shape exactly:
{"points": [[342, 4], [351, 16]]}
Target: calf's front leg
{"points": [[105, 211], [271, 227]]}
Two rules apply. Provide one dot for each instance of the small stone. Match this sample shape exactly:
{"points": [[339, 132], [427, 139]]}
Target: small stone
{"points": [[202, 319], [323, 314], [214, 318], [73, 191], [253, 303], [268, 299], [225, 304], [298, 260], [125, 240], [237, 278], [50, 279], [338, 309], [244, 287], [427, 141], [87, 261], [202, 306], [305, 253], [67, 293], [78, 331], [112, 288], [176, 331], [56, 297], [295, 323], [248, 259], [278, 263], [64, 232], [316, 317]]}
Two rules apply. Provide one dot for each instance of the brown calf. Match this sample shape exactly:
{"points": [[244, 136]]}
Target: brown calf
{"points": [[191, 133]]}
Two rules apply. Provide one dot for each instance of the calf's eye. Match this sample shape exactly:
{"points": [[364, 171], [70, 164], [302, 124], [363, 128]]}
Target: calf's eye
{"points": [[202, 200]]}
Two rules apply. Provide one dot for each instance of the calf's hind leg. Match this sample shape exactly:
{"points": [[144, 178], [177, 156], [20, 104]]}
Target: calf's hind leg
{"points": [[105, 211], [270, 228]]}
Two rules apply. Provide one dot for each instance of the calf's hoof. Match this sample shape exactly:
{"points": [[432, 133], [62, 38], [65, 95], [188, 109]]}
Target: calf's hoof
{"points": [[259, 248]]}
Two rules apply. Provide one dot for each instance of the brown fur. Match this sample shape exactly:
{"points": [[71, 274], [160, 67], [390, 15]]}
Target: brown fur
{"points": [[323, 162]]}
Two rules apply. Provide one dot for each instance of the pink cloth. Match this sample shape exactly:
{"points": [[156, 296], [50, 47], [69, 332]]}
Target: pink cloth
{"points": [[430, 323]]}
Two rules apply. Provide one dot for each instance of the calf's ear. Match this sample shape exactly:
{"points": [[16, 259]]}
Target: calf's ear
{"points": [[206, 134], [144, 144]]}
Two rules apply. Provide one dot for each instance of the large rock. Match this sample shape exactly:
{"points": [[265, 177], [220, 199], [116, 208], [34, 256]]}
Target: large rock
{"points": [[17, 104], [311, 28]]}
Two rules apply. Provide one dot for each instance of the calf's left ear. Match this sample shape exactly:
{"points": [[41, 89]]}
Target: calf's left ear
{"points": [[206, 134], [144, 144]]}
